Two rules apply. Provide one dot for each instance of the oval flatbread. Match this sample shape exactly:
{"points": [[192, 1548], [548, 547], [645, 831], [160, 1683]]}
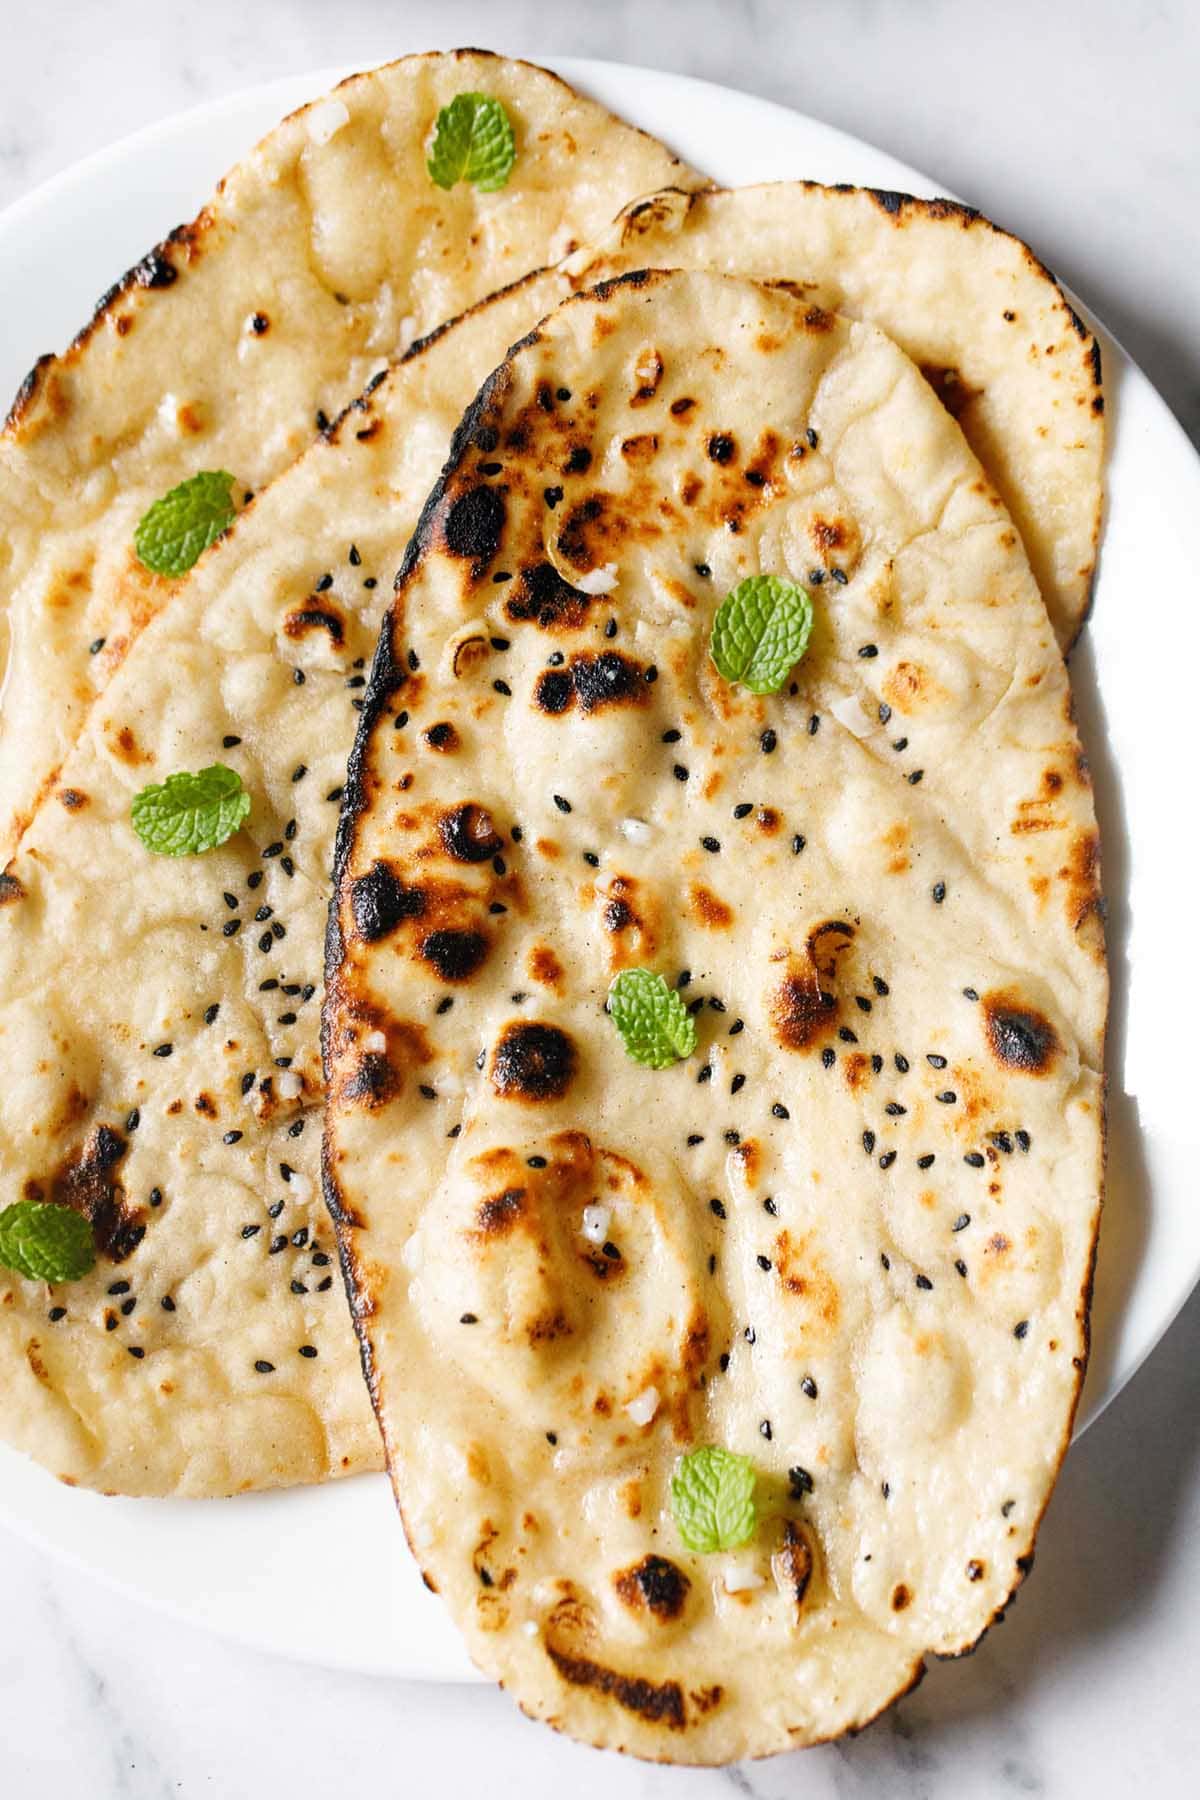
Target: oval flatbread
{"points": [[850, 1236]]}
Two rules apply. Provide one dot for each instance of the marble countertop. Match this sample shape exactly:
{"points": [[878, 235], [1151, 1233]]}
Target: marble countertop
{"points": [[1078, 127]]}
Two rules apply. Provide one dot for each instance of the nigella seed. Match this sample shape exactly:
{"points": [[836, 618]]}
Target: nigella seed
{"points": [[887, 1159], [711, 844], [868, 650], [156, 1198], [274, 1210], [862, 1003], [733, 1137], [136, 1351], [935, 1061], [308, 1350], [961, 1223], [679, 772], [1023, 1139], [591, 859], [232, 1137], [263, 1367], [118, 1287], [400, 721], [828, 1057], [948, 1097], [276, 1245], [671, 737], [717, 1207], [939, 892], [610, 1250], [768, 741], [737, 1084], [231, 928], [1002, 1141], [961, 1266], [970, 993], [715, 1004], [846, 1035], [885, 712], [564, 806], [769, 1206], [742, 810], [96, 646], [325, 583], [261, 916], [924, 1283], [127, 1306], [651, 675], [723, 1361], [683, 979], [812, 437], [255, 878], [265, 942], [765, 1428], [300, 1238], [210, 1012], [231, 900], [840, 576], [56, 1313], [814, 725], [300, 771], [414, 661], [1020, 1329], [926, 1161], [817, 577], [868, 1142], [694, 1138], [249, 1231], [974, 1160], [894, 1109], [883, 1257], [111, 1322], [298, 677], [798, 844], [808, 1386], [289, 869], [877, 1064], [880, 985], [163, 1050], [800, 1482], [901, 1063], [706, 1073], [914, 777], [295, 1128], [502, 687], [702, 569], [230, 742], [780, 1111], [764, 1262], [738, 1026]]}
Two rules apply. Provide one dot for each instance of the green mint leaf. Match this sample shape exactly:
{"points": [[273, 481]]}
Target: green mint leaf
{"points": [[760, 632], [45, 1243], [189, 814], [654, 1024], [184, 522], [712, 1497], [472, 141]]}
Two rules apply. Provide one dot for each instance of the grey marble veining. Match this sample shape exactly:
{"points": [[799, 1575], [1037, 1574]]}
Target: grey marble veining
{"points": [[1078, 126]]}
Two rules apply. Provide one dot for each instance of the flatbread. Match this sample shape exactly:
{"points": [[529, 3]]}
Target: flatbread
{"points": [[321, 257], [986, 321], [852, 1236]]}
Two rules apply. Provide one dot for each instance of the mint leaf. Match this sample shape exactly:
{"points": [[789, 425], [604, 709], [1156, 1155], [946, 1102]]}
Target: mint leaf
{"points": [[472, 141], [654, 1024], [189, 814], [45, 1243], [761, 630], [712, 1497], [184, 522]]}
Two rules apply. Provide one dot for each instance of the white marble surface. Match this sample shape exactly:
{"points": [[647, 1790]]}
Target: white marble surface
{"points": [[1079, 127]]}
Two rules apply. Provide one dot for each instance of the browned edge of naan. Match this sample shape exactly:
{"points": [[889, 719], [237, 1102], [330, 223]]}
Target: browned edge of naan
{"points": [[387, 677]]}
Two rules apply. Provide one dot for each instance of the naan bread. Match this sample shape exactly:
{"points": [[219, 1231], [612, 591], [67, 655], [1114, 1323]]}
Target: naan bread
{"points": [[985, 320], [321, 257], [852, 1236]]}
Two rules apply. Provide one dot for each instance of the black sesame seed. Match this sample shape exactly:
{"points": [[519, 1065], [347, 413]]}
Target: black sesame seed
{"points": [[163, 1049], [414, 661], [732, 1137], [737, 1084], [325, 583], [894, 1109], [765, 1428], [768, 741], [974, 1160], [320, 1258], [249, 1231], [948, 1097], [934, 1060], [887, 1159], [210, 1012], [323, 1287], [769, 1206], [232, 1137], [816, 576], [885, 712], [133, 1120], [914, 777], [694, 1138], [56, 1313], [706, 1073], [900, 744], [1023, 1139], [924, 1283], [780, 1111], [723, 1361], [926, 1161], [862, 1003], [96, 646], [400, 721], [357, 681], [814, 724], [1020, 1329], [877, 1064], [255, 878], [230, 928], [564, 806], [808, 1386], [298, 677], [277, 1244], [764, 1262], [840, 576], [938, 891], [679, 772], [127, 1306], [884, 1259], [591, 859], [502, 687], [970, 993], [961, 1267], [155, 1196], [702, 569], [742, 809], [711, 844], [800, 1482], [671, 737], [868, 650], [264, 1368], [717, 1207], [798, 844], [846, 1035], [901, 1063], [136, 1351], [610, 1250], [828, 1057], [738, 1026], [868, 1142], [111, 1322], [118, 1287]]}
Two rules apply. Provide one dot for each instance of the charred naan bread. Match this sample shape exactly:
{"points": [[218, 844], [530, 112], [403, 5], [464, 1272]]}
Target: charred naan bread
{"points": [[321, 257], [986, 321], [851, 1236]]}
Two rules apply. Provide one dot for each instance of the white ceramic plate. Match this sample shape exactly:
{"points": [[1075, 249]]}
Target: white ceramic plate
{"points": [[322, 1573]]}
